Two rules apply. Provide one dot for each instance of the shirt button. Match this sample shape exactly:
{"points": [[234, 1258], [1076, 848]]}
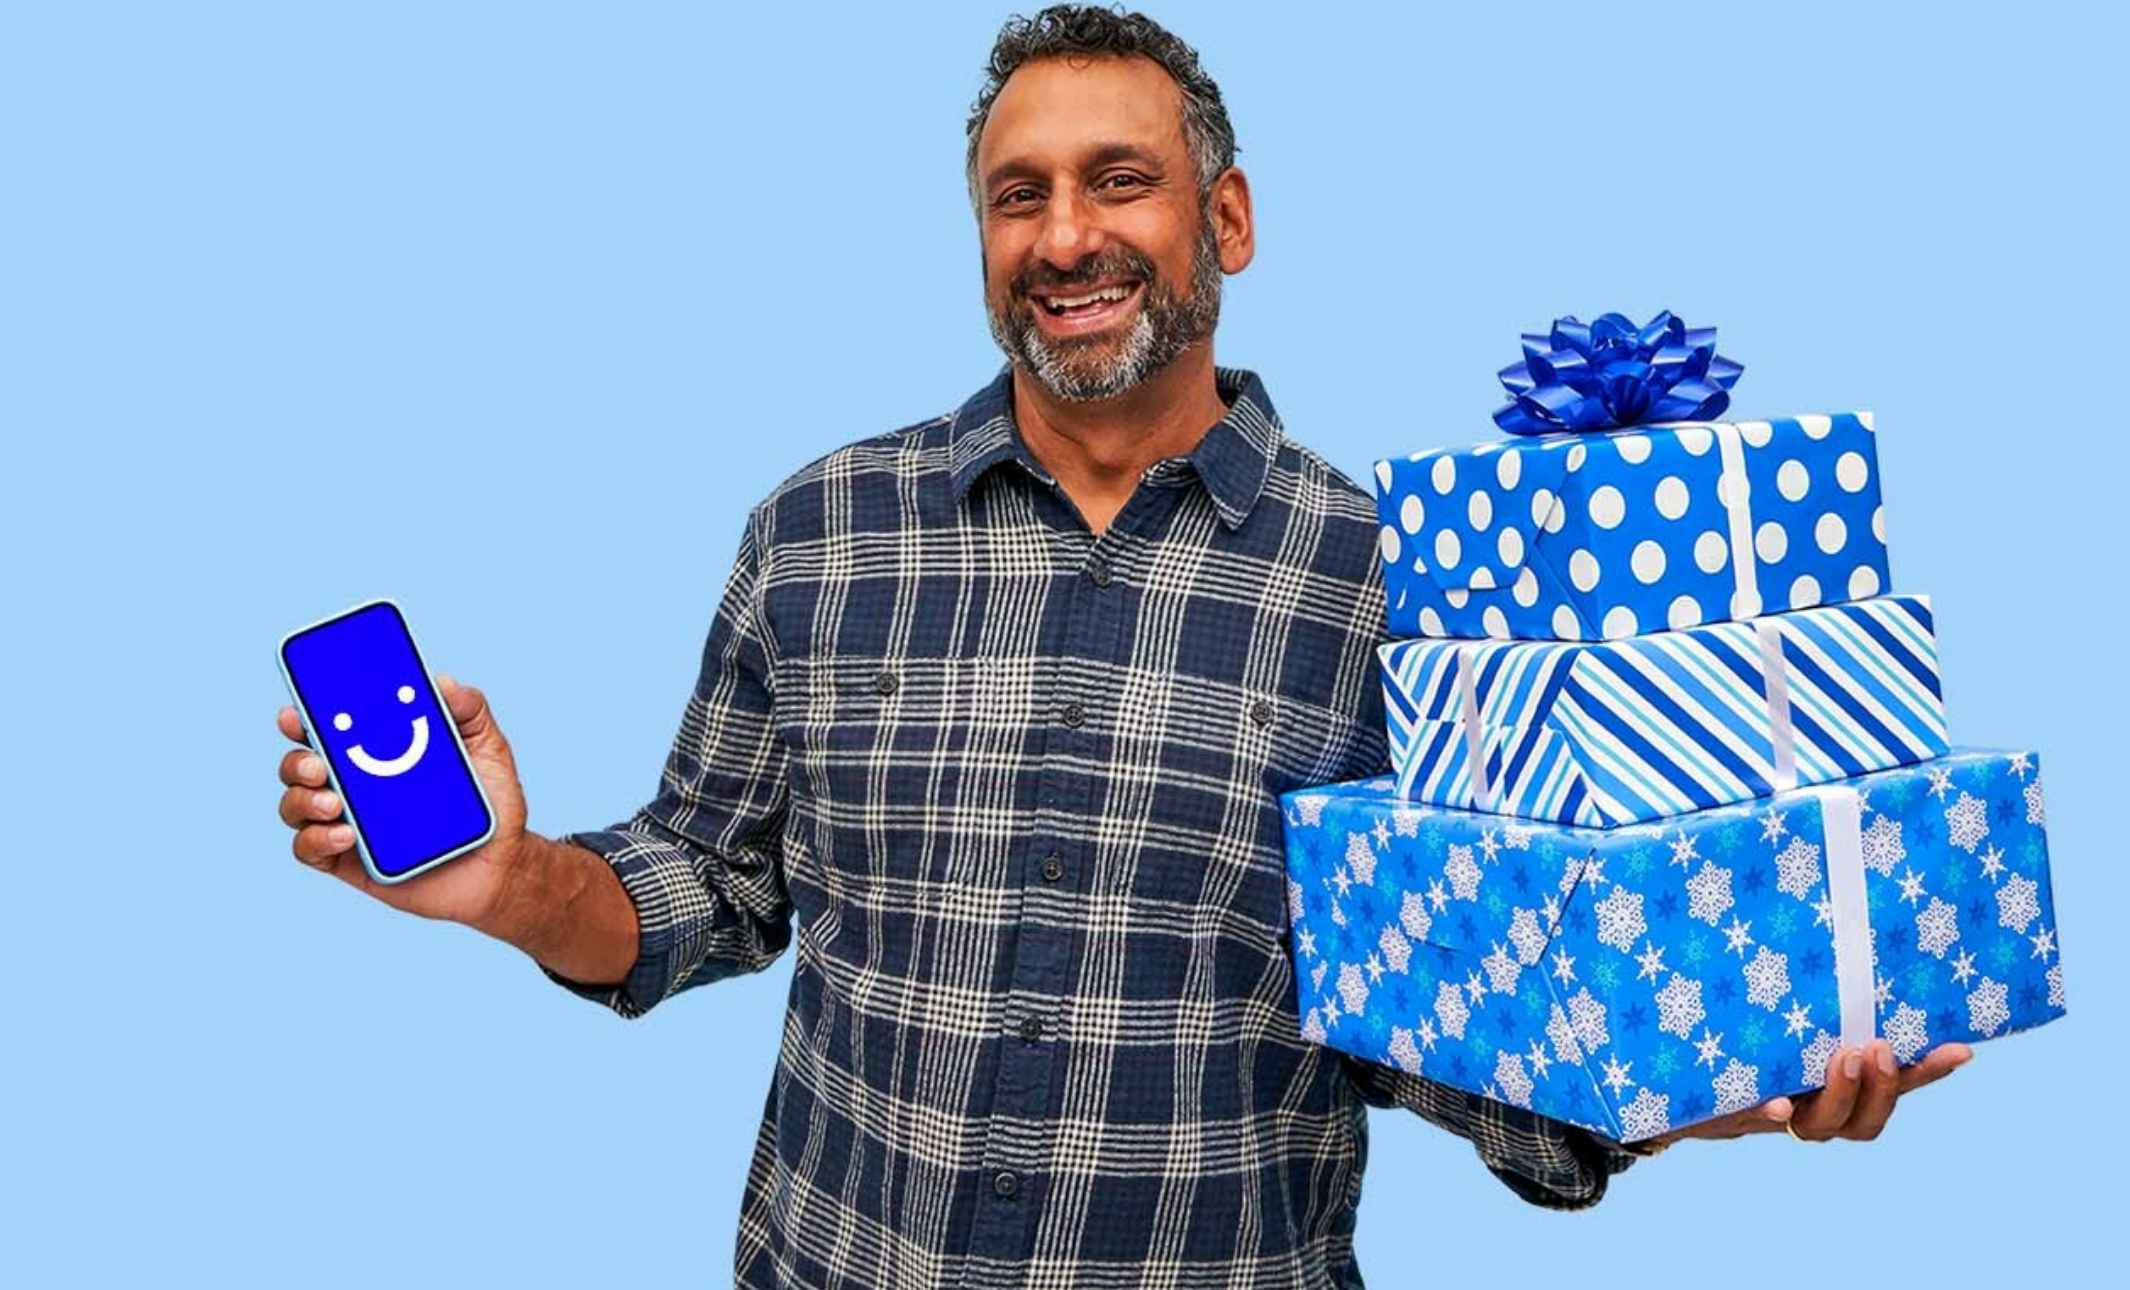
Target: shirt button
{"points": [[1006, 1183], [1032, 1029], [1261, 712], [885, 683], [1098, 569], [1073, 713], [1053, 869]]}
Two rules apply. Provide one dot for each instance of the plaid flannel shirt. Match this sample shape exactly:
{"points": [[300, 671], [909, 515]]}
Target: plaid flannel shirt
{"points": [[1016, 785]]}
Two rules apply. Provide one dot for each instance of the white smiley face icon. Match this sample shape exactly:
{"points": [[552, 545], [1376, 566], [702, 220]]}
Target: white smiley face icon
{"points": [[399, 765]]}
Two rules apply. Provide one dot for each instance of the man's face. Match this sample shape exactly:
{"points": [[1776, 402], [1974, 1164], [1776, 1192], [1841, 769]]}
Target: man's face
{"points": [[1099, 265]]}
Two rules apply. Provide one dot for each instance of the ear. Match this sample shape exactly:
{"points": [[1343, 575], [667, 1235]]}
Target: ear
{"points": [[1233, 223]]}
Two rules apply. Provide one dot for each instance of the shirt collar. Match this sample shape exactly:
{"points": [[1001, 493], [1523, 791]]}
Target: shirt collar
{"points": [[1231, 460]]}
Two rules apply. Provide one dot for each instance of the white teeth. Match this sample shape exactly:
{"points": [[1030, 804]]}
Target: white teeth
{"points": [[1107, 294]]}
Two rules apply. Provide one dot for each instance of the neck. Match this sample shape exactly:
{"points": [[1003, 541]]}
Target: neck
{"points": [[1098, 450]]}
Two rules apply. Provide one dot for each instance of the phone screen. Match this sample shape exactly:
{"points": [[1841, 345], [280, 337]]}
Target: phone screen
{"points": [[362, 691]]}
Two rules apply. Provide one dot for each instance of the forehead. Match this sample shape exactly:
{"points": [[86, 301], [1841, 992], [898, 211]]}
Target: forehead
{"points": [[1053, 110]]}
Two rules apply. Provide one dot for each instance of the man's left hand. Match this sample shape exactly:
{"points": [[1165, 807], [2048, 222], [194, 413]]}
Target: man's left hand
{"points": [[1863, 1084]]}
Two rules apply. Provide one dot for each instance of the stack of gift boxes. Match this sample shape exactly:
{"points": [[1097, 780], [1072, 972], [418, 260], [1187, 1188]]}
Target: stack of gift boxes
{"points": [[1672, 813]]}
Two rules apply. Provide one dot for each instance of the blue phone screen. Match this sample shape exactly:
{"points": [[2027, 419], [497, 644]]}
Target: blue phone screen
{"points": [[371, 708]]}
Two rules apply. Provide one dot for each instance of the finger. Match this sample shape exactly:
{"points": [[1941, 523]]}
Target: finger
{"points": [[1822, 1114], [1768, 1117], [324, 846], [301, 806], [289, 723], [302, 766], [1936, 1065], [1723, 1126], [334, 847], [1874, 1102]]}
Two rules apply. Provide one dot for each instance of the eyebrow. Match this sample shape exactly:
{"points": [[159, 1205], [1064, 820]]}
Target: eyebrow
{"points": [[1102, 154]]}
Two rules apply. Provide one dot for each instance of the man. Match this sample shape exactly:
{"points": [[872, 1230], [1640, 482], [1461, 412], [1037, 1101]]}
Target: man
{"points": [[995, 708]]}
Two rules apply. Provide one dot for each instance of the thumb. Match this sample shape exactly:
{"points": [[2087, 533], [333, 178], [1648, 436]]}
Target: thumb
{"points": [[469, 710]]}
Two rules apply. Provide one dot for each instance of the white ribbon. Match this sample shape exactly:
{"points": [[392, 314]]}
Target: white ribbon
{"points": [[1842, 810], [1475, 744], [1781, 733], [1732, 487]]}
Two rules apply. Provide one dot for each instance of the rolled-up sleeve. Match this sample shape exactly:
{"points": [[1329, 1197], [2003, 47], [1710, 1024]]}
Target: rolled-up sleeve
{"points": [[1546, 1162], [702, 860]]}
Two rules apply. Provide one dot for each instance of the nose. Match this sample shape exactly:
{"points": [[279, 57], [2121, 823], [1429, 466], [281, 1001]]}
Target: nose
{"points": [[1069, 233]]}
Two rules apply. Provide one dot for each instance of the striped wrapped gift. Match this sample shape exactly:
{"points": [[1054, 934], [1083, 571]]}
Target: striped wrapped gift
{"points": [[1659, 725]]}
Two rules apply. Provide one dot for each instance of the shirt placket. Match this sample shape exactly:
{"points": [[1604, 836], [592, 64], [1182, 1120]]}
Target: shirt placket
{"points": [[1092, 629]]}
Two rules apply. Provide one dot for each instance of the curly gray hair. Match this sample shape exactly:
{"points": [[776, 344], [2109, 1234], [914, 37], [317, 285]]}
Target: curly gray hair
{"points": [[1064, 29]]}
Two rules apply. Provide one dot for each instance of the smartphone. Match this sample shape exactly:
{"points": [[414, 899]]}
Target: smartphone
{"points": [[391, 750]]}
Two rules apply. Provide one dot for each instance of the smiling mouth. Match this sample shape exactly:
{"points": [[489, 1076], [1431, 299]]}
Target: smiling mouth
{"points": [[394, 765], [1081, 311]]}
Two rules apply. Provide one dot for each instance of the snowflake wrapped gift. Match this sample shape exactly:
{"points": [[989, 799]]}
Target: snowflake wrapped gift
{"points": [[1638, 979], [1618, 732], [1604, 534]]}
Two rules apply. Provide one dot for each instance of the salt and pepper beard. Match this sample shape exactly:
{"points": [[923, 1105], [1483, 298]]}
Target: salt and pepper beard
{"points": [[1163, 329]]}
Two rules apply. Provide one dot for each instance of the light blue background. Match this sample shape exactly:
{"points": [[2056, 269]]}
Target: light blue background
{"points": [[277, 281]]}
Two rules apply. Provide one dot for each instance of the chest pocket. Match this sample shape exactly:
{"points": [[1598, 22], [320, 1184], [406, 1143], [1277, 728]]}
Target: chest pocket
{"points": [[1211, 760], [896, 759]]}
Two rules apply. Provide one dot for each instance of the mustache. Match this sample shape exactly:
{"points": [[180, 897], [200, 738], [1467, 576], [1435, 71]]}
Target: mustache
{"points": [[1114, 263]]}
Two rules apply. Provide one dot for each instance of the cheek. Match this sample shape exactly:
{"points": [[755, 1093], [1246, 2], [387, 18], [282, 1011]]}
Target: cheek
{"points": [[998, 293], [1180, 251], [1000, 306], [1158, 237], [1003, 254]]}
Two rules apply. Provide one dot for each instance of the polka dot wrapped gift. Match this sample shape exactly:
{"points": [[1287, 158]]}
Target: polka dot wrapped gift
{"points": [[1613, 732], [1639, 979], [1607, 534]]}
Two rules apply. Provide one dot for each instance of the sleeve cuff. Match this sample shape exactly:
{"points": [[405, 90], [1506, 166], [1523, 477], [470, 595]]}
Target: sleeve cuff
{"points": [[1598, 1159], [669, 898]]}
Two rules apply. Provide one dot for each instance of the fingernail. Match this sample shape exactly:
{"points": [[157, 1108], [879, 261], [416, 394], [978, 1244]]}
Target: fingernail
{"points": [[1885, 1058], [312, 766], [1964, 1058], [326, 802], [1853, 1064], [345, 837]]}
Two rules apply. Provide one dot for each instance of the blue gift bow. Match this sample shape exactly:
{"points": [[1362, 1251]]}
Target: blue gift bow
{"points": [[1611, 373]]}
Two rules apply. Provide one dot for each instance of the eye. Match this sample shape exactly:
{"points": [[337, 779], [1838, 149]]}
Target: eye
{"points": [[406, 694], [341, 721], [1129, 179]]}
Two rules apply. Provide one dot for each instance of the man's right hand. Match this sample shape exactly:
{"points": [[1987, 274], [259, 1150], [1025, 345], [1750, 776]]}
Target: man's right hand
{"points": [[469, 889]]}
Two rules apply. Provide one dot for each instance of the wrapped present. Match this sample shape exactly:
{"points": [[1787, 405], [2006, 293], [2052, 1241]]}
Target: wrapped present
{"points": [[1622, 507], [1600, 536], [1622, 731], [1638, 979]]}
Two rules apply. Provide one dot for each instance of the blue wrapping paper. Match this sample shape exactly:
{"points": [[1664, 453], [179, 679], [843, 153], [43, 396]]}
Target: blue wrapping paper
{"points": [[1616, 732], [1603, 535], [1640, 979]]}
